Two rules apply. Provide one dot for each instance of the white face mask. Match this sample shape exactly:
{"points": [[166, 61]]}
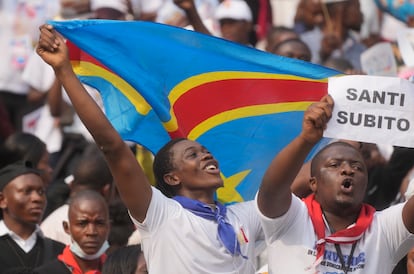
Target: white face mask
{"points": [[77, 250]]}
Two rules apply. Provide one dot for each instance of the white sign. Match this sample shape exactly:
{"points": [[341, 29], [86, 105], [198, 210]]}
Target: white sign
{"points": [[379, 60], [405, 40], [373, 109]]}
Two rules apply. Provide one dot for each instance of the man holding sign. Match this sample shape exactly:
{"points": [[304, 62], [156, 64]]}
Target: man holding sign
{"points": [[331, 230]]}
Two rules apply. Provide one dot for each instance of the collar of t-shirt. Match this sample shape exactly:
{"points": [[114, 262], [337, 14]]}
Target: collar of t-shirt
{"points": [[25, 244]]}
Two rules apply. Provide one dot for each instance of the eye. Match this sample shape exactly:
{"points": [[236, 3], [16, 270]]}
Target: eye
{"points": [[333, 164], [357, 166], [41, 191], [101, 223], [82, 223], [191, 154]]}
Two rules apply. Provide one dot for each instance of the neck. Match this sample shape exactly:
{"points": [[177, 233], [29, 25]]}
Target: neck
{"points": [[23, 230], [88, 265], [206, 197], [339, 222]]}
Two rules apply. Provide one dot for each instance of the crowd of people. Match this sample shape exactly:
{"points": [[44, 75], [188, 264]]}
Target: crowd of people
{"points": [[76, 198]]}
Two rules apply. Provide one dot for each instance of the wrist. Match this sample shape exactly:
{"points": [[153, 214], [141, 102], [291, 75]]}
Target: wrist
{"points": [[307, 141], [63, 69]]}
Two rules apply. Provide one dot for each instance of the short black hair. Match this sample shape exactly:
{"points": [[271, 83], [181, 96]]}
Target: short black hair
{"points": [[22, 146], [92, 170], [122, 260], [163, 164]]}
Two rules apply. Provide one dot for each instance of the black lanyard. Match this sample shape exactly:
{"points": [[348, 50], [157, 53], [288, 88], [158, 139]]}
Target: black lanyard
{"points": [[344, 267]]}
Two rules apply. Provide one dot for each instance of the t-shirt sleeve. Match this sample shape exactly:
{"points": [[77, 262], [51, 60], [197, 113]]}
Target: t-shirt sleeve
{"points": [[398, 238], [161, 209], [38, 74], [274, 228]]}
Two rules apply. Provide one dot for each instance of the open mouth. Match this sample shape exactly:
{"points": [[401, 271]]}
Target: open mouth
{"points": [[212, 166], [347, 185]]}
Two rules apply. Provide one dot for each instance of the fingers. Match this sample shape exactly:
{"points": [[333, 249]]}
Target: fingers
{"points": [[49, 39], [320, 112]]}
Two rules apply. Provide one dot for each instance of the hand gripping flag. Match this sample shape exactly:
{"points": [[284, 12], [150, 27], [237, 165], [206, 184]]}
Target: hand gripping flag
{"points": [[160, 82]]}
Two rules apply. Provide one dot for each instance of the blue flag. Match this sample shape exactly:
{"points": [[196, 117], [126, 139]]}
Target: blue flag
{"points": [[160, 82], [400, 9]]}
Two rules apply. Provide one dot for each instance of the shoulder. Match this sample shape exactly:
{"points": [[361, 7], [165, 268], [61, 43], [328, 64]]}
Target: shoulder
{"points": [[54, 266], [242, 205], [243, 211], [56, 246]]}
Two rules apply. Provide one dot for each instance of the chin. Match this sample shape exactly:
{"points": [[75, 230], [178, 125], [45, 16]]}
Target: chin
{"points": [[347, 202]]}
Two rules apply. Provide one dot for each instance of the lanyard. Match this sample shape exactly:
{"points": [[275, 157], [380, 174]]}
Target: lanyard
{"points": [[344, 267]]}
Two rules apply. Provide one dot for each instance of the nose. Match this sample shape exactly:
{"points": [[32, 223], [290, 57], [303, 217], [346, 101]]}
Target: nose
{"points": [[207, 155], [346, 169], [91, 230], [38, 196]]}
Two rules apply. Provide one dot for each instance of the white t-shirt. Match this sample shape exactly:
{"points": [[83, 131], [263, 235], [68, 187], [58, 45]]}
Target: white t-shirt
{"points": [[41, 76], [174, 240], [19, 31], [291, 243]]}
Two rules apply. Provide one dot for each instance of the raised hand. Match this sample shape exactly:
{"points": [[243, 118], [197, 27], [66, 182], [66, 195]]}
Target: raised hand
{"points": [[52, 48], [316, 118]]}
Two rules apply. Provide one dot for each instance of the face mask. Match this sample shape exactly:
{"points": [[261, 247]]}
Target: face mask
{"points": [[75, 248]]}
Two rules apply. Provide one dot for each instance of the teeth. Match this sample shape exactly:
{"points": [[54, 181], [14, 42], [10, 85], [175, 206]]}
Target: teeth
{"points": [[211, 167]]}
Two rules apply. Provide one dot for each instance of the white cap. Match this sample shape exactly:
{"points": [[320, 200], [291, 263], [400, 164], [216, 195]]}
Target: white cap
{"points": [[234, 9], [332, 1], [119, 5]]}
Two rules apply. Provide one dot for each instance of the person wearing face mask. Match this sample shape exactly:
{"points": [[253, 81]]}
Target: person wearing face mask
{"points": [[88, 227]]}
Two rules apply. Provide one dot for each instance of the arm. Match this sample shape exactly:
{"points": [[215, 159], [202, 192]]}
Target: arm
{"points": [[275, 195], [54, 99], [130, 180], [192, 14], [36, 97], [408, 214], [301, 185]]}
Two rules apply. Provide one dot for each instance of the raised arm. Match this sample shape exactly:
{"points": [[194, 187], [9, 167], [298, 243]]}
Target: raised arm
{"points": [[274, 195], [188, 6], [129, 177]]}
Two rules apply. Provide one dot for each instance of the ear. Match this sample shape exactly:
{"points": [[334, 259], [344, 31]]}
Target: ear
{"points": [[65, 225], [172, 179], [3, 201], [106, 191], [313, 184]]}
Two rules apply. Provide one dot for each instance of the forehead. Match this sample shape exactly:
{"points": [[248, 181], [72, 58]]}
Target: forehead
{"points": [[88, 208], [184, 145], [295, 46], [25, 180], [284, 35], [341, 151]]}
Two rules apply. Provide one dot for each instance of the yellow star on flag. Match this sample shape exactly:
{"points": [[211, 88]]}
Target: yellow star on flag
{"points": [[228, 193]]}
